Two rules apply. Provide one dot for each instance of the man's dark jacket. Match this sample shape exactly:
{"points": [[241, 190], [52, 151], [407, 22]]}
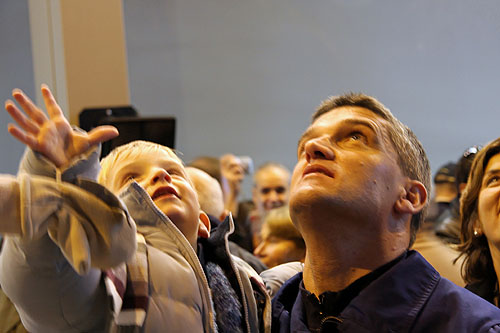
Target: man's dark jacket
{"points": [[410, 297]]}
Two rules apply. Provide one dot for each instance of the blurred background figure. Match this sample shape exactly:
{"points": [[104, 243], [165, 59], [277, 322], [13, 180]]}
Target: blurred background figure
{"points": [[445, 190], [480, 231], [448, 224], [211, 202], [434, 249], [209, 195], [271, 183], [233, 171], [229, 171], [281, 241]]}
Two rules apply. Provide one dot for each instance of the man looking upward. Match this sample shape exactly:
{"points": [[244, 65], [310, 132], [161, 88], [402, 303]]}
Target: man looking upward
{"points": [[358, 195]]}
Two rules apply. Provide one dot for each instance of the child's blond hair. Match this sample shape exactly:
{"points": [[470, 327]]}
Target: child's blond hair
{"points": [[127, 151]]}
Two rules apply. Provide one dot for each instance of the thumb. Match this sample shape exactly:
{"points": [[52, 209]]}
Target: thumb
{"points": [[101, 134]]}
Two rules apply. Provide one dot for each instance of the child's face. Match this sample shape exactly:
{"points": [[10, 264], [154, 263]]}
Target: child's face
{"points": [[162, 175]]}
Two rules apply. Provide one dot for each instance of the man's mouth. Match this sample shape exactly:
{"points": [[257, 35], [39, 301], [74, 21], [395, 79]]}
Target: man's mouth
{"points": [[164, 191], [316, 168]]}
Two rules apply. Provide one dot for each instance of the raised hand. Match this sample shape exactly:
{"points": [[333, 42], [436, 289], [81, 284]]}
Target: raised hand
{"points": [[232, 170], [51, 136]]}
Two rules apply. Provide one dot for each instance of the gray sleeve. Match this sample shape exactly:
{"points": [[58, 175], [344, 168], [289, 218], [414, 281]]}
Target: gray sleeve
{"points": [[275, 277], [58, 238]]}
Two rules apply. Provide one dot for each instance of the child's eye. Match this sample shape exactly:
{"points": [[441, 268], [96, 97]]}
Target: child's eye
{"points": [[174, 172], [129, 178]]}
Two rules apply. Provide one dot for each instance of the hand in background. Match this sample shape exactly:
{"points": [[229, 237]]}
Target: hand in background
{"points": [[51, 136], [232, 176], [232, 170]]}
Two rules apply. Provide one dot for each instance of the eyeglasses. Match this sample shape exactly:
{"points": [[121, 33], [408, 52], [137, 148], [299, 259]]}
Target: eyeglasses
{"points": [[472, 151]]}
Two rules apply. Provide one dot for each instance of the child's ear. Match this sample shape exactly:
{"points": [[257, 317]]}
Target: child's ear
{"points": [[204, 225], [412, 199]]}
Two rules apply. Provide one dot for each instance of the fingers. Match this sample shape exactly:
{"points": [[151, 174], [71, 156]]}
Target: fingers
{"points": [[29, 107], [53, 109], [101, 134], [24, 137], [27, 124]]}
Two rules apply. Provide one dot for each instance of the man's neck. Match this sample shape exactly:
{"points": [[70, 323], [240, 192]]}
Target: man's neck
{"points": [[333, 268]]}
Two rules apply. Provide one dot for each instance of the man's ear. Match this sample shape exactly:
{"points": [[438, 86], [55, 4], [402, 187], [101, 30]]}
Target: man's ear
{"points": [[412, 199], [204, 225]]}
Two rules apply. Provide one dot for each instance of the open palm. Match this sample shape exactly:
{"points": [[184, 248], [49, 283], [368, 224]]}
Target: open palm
{"points": [[51, 136]]}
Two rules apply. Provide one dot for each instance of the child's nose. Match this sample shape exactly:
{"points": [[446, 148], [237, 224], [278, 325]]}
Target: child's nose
{"points": [[160, 175]]}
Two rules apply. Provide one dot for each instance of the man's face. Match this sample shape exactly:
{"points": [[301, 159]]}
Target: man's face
{"points": [[270, 189], [347, 167], [164, 178]]}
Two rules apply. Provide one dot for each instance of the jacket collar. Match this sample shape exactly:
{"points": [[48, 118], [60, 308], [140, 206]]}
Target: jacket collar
{"points": [[141, 207], [395, 298]]}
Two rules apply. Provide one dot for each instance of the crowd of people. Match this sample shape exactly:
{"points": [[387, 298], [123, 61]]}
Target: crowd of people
{"points": [[140, 242]]}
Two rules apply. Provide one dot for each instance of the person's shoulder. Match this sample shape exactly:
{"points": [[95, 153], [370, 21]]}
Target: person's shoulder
{"points": [[463, 308], [284, 278]]}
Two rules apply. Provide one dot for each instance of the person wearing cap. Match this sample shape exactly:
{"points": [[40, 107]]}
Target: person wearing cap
{"points": [[436, 251], [445, 190], [448, 224]]}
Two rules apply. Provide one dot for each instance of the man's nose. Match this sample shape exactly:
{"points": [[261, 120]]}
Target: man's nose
{"points": [[160, 174], [273, 196], [319, 148]]}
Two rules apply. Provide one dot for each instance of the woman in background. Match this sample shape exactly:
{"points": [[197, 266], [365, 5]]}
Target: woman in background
{"points": [[281, 242], [480, 234]]}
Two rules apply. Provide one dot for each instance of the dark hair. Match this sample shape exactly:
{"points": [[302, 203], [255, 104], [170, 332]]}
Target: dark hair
{"points": [[464, 165], [411, 155], [478, 263], [446, 174]]}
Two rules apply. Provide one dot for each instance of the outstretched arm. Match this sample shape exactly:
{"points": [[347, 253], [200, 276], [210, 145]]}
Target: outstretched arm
{"points": [[51, 136]]}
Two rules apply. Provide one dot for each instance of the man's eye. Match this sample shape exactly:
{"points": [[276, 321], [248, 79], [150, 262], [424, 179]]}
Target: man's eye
{"points": [[280, 190], [355, 136], [265, 190]]}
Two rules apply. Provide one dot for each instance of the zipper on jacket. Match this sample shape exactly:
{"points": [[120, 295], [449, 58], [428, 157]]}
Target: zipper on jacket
{"points": [[328, 321]]}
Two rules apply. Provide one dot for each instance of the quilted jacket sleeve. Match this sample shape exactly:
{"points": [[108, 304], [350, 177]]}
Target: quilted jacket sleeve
{"points": [[58, 238]]}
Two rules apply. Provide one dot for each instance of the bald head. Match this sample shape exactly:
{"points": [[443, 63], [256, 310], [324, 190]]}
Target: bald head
{"points": [[208, 190], [271, 185]]}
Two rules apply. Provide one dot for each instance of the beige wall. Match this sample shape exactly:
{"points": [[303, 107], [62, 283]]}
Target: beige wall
{"points": [[79, 50]]}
